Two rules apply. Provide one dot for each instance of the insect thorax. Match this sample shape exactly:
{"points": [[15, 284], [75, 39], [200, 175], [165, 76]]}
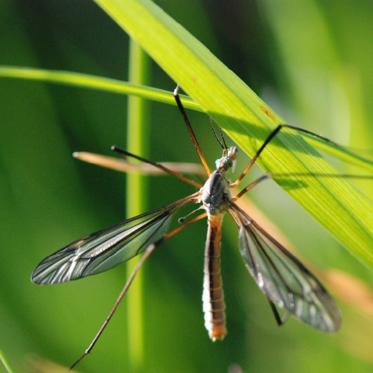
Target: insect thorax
{"points": [[215, 193]]}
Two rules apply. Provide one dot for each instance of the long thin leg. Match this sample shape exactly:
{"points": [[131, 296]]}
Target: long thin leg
{"points": [[123, 292], [251, 186], [311, 174], [270, 137], [190, 131], [150, 249], [122, 165], [296, 174], [180, 176]]}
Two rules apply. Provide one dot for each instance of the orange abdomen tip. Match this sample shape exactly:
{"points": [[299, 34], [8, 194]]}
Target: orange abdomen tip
{"points": [[218, 333]]}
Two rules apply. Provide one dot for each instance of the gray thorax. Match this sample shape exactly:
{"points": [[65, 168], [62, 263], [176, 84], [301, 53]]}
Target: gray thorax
{"points": [[215, 193]]}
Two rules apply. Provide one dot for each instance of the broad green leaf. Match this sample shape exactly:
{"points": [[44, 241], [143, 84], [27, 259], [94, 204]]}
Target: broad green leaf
{"points": [[248, 120], [125, 88], [239, 111]]}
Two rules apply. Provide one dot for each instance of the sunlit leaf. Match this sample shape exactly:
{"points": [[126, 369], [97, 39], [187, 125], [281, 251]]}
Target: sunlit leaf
{"points": [[248, 120]]}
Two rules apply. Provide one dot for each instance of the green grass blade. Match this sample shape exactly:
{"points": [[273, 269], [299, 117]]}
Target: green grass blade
{"points": [[4, 363], [94, 82], [248, 120], [126, 88]]}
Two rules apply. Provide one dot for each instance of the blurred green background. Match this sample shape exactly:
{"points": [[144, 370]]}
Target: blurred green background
{"points": [[310, 60]]}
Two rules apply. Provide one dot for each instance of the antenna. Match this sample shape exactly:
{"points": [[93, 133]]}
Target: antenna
{"points": [[220, 140]]}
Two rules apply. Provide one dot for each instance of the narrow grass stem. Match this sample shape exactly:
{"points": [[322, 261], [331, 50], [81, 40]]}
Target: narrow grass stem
{"points": [[137, 142]]}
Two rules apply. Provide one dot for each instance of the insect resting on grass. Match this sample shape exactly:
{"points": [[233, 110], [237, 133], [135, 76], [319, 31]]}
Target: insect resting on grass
{"points": [[284, 280]]}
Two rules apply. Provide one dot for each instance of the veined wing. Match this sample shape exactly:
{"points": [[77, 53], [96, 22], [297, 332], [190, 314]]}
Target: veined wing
{"points": [[106, 248], [283, 278]]}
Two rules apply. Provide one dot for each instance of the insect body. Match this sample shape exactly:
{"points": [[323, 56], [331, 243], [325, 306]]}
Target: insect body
{"points": [[284, 280], [215, 196]]}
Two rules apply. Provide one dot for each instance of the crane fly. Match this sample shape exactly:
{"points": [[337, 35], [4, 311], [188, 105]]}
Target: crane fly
{"points": [[283, 279]]}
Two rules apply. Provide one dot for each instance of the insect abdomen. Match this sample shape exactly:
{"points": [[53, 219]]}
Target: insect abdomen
{"points": [[213, 294]]}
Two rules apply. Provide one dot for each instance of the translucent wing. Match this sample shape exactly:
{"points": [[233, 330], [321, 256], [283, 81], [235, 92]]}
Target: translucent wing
{"points": [[107, 248], [283, 278]]}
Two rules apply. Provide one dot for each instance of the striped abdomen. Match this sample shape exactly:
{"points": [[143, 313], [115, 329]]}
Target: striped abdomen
{"points": [[213, 294]]}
